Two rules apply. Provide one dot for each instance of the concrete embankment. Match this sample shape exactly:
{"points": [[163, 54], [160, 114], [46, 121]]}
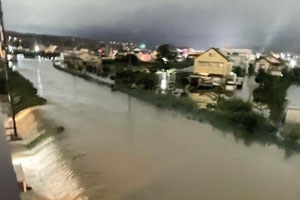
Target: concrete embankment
{"points": [[43, 164]]}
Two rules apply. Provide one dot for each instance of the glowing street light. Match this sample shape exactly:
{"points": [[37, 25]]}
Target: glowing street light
{"points": [[36, 48], [258, 55], [293, 63], [10, 48]]}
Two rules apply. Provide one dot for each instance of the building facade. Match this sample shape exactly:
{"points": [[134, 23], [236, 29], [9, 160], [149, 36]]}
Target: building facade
{"points": [[213, 63], [271, 65]]}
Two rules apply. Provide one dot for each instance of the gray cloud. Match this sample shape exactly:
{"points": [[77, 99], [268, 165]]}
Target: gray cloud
{"points": [[266, 24]]}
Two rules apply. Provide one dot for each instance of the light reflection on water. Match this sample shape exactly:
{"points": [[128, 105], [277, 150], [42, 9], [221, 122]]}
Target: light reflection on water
{"points": [[40, 89]]}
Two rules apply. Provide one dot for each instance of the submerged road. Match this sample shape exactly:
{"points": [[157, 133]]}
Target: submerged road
{"points": [[120, 148]]}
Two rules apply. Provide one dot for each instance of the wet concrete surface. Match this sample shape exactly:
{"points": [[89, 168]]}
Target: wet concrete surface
{"points": [[8, 184]]}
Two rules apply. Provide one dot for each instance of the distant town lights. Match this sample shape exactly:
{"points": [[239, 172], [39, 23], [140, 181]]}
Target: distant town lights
{"points": [[10, 48]]}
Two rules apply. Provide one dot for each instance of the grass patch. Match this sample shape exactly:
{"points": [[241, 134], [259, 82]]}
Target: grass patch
{"points": [[229, 114], [23, 91], [49, 133], [38, 140]]}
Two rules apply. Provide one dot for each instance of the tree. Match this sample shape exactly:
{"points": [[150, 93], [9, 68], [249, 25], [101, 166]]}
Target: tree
{"points": [[184, 83], [150, 82], [68, 43], [239, 71], [164, 52], [251, 70], [132, 59], [260, 76]]}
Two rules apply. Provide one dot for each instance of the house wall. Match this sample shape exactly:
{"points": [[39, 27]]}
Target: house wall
{"points": [[239, 61], [211, 62], [262, 64]]}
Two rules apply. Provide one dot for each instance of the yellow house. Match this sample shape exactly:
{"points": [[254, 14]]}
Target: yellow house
{"points": [[213, 63]]}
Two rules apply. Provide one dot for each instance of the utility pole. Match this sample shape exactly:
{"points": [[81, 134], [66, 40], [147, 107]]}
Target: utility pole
{"points": [[10, 97]]}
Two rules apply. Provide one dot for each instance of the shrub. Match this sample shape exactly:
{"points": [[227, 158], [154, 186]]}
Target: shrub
{"points": [[247, 120], [128, 77], [239, 71], [234, 105]]}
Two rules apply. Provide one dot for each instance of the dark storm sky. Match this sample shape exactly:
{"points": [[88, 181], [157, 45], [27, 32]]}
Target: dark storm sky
{"points": [[265, 24]]}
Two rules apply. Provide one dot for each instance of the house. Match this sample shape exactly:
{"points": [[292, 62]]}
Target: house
{"points": [[147, 56], [213, 63], [73, 61], [271, 65], [51, 49], [212, 68], [240, 57], [91, 60], [82, 60]]}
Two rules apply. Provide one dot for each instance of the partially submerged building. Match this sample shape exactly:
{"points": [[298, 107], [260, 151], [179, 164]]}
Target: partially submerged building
{"points": [[83, 60]]}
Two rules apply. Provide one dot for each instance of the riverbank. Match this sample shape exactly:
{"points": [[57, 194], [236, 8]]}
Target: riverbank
{"points": [[84, 76], [246, 125], [31, 126], [23, 92], [39, 157], [36, 153]]}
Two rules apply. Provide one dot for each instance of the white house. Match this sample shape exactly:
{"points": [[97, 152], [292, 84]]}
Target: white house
{"points": [[271, 65]]}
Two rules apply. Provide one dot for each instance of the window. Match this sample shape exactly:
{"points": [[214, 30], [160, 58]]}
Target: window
{"points": [[217, 64], [211, 54], [204, 64], [210, 64]]}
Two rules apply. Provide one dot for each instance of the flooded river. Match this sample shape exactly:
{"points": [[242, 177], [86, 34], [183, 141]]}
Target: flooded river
{"points": [[120, 148]]}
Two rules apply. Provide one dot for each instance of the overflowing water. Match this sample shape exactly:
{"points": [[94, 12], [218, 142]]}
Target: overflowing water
{"points": [[119, 148]]}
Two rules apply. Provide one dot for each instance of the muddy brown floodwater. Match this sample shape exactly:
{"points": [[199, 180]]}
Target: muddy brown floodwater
{"points": [[120, 148]]}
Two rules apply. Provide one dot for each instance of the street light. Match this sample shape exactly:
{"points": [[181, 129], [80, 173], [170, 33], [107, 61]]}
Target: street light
{"points": [[36, 48], [293, 63]]}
